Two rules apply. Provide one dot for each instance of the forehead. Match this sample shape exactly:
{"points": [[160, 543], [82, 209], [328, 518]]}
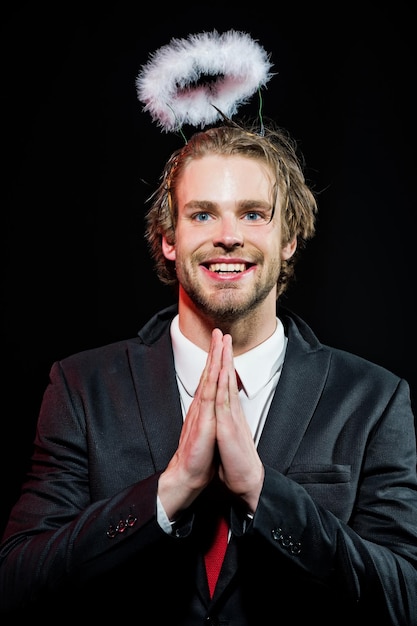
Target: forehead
{"points": [[219, 177]]}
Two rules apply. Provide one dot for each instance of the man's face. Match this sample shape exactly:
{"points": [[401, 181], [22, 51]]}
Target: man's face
{"points": [[227, 248]]}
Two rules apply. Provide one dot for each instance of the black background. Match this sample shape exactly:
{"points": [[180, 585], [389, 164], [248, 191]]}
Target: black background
{"points": [[80, 158]]}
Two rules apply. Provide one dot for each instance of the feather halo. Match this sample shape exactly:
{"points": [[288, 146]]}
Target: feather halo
{"points": [[230, 67]]}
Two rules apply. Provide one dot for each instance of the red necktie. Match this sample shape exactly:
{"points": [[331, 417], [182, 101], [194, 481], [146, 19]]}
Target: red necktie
{"points": [[215, 554]]}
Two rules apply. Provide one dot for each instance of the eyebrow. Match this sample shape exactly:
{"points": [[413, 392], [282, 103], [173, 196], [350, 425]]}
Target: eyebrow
{"points": [[242, 204]]}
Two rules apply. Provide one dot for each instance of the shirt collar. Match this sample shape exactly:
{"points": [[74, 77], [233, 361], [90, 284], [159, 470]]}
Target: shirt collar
{"points": [[190, 360]]}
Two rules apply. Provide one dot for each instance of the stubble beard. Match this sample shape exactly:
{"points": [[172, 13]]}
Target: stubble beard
{"points": [[229, 303]]}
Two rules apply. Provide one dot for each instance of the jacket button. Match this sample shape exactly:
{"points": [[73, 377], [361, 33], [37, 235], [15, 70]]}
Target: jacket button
{"points": [[112, 532], [286, 541]]}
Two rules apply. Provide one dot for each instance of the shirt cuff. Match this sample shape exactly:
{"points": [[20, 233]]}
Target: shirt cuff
{"points": [[162, 518]]}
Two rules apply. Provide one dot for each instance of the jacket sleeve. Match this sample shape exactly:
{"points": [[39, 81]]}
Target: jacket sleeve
{"points": [[373, 556], [69, 519]]}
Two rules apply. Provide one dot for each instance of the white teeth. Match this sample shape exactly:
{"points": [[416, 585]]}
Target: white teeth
{"points": [[227, 267]]}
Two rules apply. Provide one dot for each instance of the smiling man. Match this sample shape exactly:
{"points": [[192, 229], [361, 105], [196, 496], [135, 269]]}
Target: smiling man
{"points": [[225, 406]]}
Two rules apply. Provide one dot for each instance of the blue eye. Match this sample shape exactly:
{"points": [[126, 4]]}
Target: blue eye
{"points": [[254, 216], [202, 217]]}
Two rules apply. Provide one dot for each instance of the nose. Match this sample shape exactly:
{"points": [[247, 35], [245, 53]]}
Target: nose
{"points": [[228, 232]]}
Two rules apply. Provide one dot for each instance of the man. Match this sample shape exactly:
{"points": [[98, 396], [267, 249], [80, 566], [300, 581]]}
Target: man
{"points": [[227, 405]]}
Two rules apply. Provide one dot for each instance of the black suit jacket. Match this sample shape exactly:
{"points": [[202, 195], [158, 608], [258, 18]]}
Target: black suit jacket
{"points": [[333, 540]]}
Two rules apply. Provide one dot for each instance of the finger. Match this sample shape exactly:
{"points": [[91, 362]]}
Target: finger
{"points": [[228, 387], [213, 364]]}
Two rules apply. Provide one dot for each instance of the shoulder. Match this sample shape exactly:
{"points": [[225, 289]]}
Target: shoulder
{"points": [[96, 363], [120, 354]]}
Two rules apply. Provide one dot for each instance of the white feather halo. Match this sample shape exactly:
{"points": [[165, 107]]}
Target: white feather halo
{"points": [[168, 83]]}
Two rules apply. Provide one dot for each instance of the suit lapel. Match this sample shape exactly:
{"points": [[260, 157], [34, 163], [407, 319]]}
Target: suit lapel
{"points": [[158, 398], [298, 391]]}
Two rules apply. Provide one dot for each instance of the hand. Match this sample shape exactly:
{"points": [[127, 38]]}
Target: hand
{"points": [[215, 438]]}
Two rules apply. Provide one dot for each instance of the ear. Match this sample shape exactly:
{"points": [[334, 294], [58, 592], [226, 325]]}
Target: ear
{"points": [[168, 249], [289, 249]]}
